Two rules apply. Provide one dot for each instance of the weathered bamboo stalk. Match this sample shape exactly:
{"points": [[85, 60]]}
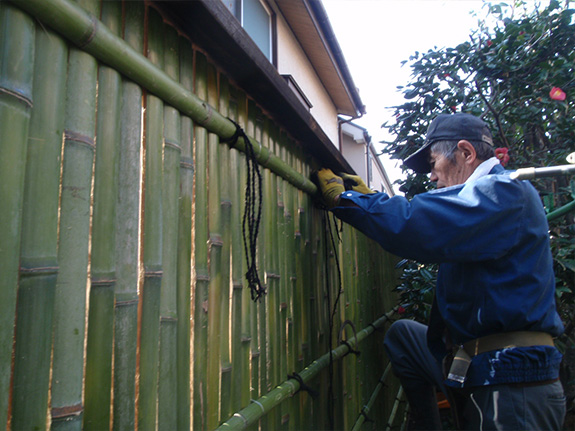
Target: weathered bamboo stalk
{"points": [[266, 403], [167, 389], [82, 29], [17, 45], [152, 248], [185, 246], [367, 407], [128, 235], [38, 263], [225, 228], [395, 409], [241, 334], [202, 278], [100, 341], [270, 340], [74, 243]]}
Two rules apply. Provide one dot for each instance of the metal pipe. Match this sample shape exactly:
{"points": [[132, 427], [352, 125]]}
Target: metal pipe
{"points": [[552, 171]]}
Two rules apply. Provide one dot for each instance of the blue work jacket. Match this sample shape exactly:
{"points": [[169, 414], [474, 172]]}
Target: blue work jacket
{"points": [[491, 239]]}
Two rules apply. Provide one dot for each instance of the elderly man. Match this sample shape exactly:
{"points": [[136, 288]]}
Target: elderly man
{"points": [[494, 315]]}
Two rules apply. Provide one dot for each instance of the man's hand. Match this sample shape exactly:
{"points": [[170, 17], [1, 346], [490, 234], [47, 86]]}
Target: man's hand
{"points": [[331, 187], [356, 184]]}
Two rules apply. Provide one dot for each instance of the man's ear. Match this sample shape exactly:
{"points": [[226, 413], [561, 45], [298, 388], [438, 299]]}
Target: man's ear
{"points": [[468, 150]]}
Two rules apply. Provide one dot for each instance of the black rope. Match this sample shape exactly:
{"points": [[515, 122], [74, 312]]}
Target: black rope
{"points": [[342, 341], [252, 212], [329, 237], [367, 418], [302, 385]]}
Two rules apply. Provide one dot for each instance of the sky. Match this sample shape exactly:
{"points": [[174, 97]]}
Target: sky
{"points": [[377, 35]]}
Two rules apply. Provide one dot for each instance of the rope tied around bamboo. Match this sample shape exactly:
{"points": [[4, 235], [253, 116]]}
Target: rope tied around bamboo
{"points": [[252, 212]]}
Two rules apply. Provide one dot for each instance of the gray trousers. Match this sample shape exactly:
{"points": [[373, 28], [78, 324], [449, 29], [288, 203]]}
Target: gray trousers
{"points": [[496, 407]]}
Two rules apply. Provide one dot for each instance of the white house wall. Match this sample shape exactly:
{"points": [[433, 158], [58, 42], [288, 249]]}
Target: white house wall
{"points": [[293, 61]]}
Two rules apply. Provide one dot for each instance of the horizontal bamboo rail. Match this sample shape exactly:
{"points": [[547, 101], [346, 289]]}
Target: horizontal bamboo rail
{"points": [[365, 410], [395, 409], [258, 408], [92, 36]]}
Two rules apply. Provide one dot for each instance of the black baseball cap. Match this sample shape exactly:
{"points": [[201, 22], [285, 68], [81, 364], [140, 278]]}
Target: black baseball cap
{"points": [[448, 127]]}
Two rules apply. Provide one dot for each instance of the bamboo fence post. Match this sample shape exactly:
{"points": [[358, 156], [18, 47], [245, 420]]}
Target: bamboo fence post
{"points": [[200, 297], [17, 44], [167, 386], [128, 234], [225, 229], [152, 247], [214, 264], [81, 28], [103, 259], [270, 341], [74, 242], [238, 374], [185, 239], [304, 288], [38, 264], [243, 376]]}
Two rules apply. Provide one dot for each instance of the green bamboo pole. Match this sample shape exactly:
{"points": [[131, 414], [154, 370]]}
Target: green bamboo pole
{"points": [[200, 297], [285, 255], [17, 34], [366, 409], [127, 234], [249, 311], [270, 340], [395, 409], [185, 246], [100, 341], [81, 28], [74, 241], [38, 262], [167, 391], [241, 334], [152, 247], [304, 289], [215, 265], [292, 303], [265, 404], [561, 211], [225, 188]]}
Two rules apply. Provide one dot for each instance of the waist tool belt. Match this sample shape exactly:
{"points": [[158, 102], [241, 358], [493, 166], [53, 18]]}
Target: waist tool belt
{"points": [[505, 340]]}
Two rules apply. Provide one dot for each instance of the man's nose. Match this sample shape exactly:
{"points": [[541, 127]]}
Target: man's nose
{"points": [[433, 177]]}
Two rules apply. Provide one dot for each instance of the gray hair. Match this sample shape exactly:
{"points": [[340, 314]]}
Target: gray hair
{"points": [[447, 149]]}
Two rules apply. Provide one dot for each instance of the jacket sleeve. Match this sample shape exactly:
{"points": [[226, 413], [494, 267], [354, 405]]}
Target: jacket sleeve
{"points": [[471, 222]]}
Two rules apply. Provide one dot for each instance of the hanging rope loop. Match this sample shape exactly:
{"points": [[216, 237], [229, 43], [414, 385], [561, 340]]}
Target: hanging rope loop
{"points": [[252, 212], [342, 341]]}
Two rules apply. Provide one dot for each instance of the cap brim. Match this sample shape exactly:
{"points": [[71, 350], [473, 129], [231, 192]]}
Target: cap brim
{"points": [[419, 161]]}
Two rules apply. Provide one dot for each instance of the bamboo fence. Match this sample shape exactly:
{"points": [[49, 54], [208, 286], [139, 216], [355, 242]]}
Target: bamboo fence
{"points": [[123, 291]]}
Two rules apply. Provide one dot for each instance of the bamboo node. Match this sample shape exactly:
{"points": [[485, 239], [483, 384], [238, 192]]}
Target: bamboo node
{"points": [[19, 96], [71, 136], [90, 33], [66, 411], [246, 423], [259, 404]]}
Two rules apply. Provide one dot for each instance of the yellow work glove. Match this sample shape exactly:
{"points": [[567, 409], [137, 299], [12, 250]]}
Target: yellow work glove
{"points": [[356, 184], [331, 186]]}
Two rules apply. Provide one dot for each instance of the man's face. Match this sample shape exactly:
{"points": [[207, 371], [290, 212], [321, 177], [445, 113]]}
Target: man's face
{"points": [[446, 173]]}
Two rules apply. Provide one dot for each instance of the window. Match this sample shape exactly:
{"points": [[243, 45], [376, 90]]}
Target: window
{"points": [[257, 20]]}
